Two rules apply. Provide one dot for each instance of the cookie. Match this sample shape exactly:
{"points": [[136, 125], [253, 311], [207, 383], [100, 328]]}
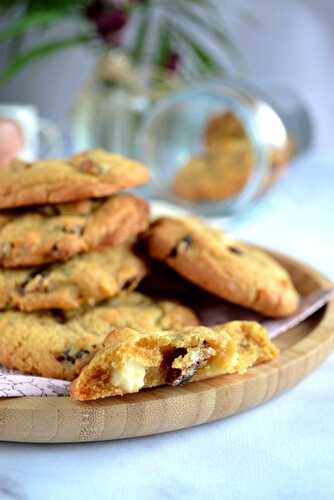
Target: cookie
{"points": [[225, 166], [92, 174], [279, 158], [222, 128], [229, 269], [84, 280], [58, 344], [215, 176], [225, 129], [131, 360], [57, 232]]}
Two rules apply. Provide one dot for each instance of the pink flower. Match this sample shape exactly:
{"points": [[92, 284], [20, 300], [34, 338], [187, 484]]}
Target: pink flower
{"points": [[109, 19], [174, 62]]}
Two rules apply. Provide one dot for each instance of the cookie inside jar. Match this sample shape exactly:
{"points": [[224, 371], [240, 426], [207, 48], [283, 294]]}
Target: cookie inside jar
{"points": [[224, 165]]}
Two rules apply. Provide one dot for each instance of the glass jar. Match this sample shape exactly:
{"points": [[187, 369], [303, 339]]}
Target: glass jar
{"points": [[215, 148]]}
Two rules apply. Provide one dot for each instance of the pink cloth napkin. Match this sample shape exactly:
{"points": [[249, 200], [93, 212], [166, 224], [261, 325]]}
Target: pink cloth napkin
{"points": [[14, 384]]}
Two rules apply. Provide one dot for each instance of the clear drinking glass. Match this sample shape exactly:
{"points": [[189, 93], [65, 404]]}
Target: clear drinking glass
{"points": [[112, 105]]}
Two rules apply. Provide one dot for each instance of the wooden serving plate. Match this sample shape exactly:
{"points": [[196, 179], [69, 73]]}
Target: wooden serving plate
{"points": [[59, 419]]}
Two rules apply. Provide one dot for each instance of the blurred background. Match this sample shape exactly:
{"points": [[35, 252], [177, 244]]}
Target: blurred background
{"points": [[95, 68], [289, 42]]}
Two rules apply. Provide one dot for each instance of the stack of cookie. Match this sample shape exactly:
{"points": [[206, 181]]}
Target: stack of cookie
{"points": [[69, 270]]}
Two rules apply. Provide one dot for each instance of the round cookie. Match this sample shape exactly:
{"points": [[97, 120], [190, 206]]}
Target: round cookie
{"points": [[224, 167], [58, 344], [31, 237], [215, 176], [84, 280], [91, 174], [227, 268], [222, 128]]}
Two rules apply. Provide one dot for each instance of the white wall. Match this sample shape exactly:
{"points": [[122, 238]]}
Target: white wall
{"points": [[291, 43], [294, 45]]}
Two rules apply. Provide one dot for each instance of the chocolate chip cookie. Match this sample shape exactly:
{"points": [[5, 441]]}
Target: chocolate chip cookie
{"points": [[58, 344], [31, 237], [223, 128], [84, 280], [92, 174], [131, 360], [224, 167], [215, 176], [230, 269]]}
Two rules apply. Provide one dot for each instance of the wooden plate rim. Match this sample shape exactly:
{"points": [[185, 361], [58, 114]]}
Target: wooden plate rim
{"points": [[304, 356]]}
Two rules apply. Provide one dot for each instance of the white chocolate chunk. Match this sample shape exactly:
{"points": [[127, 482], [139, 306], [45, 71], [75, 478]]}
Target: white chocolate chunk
{"points": [[129, 378]]}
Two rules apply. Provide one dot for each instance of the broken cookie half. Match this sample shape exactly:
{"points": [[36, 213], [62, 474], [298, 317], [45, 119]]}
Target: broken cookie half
{"points": [[131, 360]]}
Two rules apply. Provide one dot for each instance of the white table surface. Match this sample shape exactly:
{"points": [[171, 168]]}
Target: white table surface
{"points": [[283, 449]]}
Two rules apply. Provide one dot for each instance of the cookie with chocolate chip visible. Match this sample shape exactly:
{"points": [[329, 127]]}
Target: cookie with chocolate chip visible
{"points": [[51, 233], [229, 269], [59, 343], [84, 280], [131, 360], [91, 174]]}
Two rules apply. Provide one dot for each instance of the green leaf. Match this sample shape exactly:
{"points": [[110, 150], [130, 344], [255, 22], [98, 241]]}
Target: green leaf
{"points": [[164, 49], [41, 51], [136, 52], [30, 21], [7, 5], [206, 64], [210, 21], [40, 5]]}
